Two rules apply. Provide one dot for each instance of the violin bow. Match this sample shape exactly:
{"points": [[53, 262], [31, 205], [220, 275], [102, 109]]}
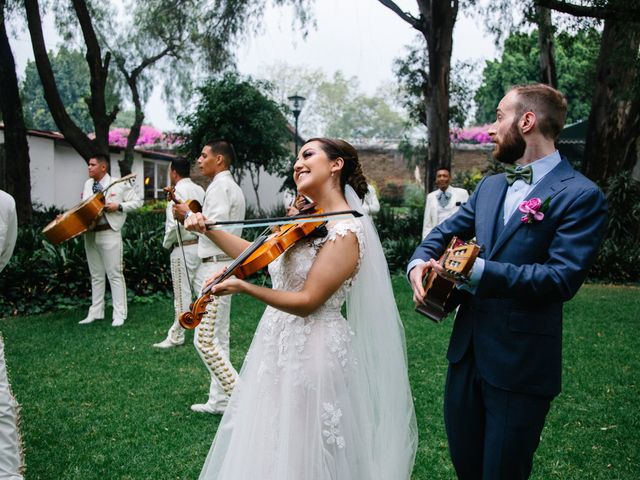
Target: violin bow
{"points": [[266, 222]]}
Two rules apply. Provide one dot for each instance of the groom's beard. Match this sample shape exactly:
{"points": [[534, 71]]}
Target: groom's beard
{"points": [[512, 147]]}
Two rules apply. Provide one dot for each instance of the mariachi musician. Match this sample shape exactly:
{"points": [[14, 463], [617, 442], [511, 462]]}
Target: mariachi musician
{"points": [[103, 244], [183, 246], [223, 201]]}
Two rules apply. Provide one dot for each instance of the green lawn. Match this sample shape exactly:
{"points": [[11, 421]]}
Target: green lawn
{"points": [[99, 402]]}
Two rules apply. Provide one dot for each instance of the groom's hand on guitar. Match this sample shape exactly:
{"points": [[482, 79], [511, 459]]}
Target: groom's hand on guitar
{"points": [[416, 277]]}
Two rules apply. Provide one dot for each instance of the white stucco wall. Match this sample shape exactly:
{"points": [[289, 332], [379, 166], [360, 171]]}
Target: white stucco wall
{"points": [[69, 176], [270, 196], [58, 172]]}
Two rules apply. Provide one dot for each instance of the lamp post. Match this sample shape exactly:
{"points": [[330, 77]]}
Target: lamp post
{"points": [[297, 102]]}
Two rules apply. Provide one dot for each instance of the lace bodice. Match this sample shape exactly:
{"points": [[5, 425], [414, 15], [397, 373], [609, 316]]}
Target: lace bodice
{"points": [[289, 271]]}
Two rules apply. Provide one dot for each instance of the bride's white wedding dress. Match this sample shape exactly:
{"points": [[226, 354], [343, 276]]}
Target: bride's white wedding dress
{"points": [[304, 407]]}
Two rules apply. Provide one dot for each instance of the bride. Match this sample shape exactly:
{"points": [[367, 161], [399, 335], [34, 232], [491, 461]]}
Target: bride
{"points": [[320, 397]]}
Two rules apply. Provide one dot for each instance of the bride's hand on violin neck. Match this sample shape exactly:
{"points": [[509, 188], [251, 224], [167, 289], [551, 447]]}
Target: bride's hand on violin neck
{"points": [[229, 286], [196, 223], [213, 278]]}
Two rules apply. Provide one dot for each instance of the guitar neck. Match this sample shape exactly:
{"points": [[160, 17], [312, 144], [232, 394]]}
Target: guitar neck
{"points": [[123, 179]]}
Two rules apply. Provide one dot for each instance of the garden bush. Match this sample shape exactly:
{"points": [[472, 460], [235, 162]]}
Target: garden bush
{"points": [[400, 231], [42, 277], [619, 257]]}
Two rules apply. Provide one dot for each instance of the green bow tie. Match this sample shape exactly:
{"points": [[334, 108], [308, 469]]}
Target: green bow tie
{"points": [[514, 173]]}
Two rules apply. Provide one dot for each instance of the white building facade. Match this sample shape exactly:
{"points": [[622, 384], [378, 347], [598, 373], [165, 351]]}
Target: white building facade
{"points": [[58, 172]]}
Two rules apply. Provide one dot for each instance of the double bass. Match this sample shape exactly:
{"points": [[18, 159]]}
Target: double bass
{"points": [[80, 218]]}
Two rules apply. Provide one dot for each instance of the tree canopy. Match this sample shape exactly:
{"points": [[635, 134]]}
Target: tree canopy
{"points": [[72, 77], [335, 105], [236, 109], [576, 57]]}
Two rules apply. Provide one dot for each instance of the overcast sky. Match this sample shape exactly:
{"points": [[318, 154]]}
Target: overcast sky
{"points": [[359, 37]]}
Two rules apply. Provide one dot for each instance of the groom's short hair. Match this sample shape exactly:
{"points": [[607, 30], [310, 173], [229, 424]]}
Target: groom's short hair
{"points": [[549, 105]]}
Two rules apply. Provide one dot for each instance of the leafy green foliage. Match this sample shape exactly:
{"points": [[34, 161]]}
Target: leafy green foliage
{"points": [[619, 257], [335, 105], [400, 231], [576, 56], [411, 72], [351, 114], [42, 277], [237, 110], [72, 78], [467, 179]]}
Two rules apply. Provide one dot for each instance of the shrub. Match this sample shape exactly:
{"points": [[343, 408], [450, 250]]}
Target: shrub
{"points": [[619, 259], [414, 196], [42, 277], [392, 192], [468, 179], [400, 232]]}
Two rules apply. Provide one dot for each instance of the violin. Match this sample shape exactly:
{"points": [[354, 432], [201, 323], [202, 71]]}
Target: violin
{"points": [[264, 250], [441, 293], [193, 205]]}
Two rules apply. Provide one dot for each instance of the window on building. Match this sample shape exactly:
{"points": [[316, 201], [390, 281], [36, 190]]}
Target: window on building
{"points": [[156, 177]]}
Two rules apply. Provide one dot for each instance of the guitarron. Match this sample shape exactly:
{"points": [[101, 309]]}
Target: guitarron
{"points": [[80, 218]]}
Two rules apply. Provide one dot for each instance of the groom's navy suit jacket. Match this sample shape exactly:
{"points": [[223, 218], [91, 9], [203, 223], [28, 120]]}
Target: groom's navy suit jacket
{"points": [[514, 319]]}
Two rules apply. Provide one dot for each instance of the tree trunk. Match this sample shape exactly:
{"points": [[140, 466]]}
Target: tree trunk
{"points": [[614, 121], [99, 72], [134, 132], [18, 176], [545, 43], [439, 35], [85, 146], [435, 23], [132, 81], [72, 133], [255, 183]]}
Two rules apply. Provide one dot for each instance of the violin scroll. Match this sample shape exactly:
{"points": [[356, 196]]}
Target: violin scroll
{"points": [[192, 318]]}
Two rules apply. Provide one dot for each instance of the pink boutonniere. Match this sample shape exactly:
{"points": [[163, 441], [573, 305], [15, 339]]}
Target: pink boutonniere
{"points": [[533, 209]]}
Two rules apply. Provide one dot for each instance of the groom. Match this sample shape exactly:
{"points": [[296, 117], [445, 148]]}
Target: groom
{"points": [[505, 350]]}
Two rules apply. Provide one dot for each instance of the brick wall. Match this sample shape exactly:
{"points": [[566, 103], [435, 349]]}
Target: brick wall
{"points": [[385, 165]]}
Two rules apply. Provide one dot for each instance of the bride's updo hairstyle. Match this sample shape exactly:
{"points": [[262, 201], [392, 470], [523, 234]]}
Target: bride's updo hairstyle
{"points": [[352, 171]]}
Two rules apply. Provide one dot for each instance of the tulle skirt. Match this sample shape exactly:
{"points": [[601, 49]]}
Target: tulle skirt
{"points": [[291, 416]]}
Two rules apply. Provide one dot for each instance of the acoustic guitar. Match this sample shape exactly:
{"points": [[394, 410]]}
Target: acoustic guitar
{"points": [[440, 293], [80, 218]]}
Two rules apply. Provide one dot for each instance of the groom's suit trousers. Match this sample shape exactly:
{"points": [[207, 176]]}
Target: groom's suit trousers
{"points": [[493, 433]]}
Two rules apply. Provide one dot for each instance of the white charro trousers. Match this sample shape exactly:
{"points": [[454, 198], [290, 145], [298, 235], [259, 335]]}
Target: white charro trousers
{"points": [[181, 289], [212, 336], [11, 459], [104, 255]]}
